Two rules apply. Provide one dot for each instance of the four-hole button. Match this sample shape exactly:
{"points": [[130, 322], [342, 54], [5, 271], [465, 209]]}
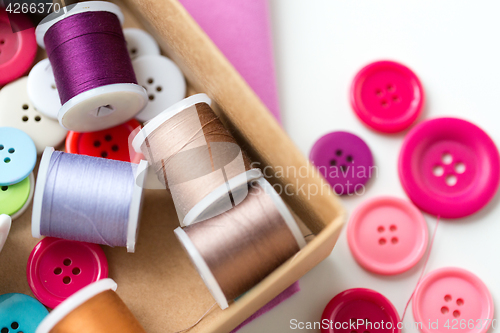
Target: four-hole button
{"points": [[17, 156], [20, 313]]}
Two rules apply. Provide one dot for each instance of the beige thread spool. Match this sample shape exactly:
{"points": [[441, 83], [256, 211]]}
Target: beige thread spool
{"points": [[196, 158], [236, 250], [93, 309]]}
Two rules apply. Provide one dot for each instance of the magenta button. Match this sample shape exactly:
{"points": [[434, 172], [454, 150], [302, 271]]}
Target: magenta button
{"points": [[345, 161], [387, 235], [449, 167], [367, 310], [58, 268], [387, 96], [454, 297]]}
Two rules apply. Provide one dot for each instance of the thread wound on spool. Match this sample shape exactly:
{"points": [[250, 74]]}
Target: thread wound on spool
{"points": [[243, 245], [88, 50], [193, 154], [87, 199]]}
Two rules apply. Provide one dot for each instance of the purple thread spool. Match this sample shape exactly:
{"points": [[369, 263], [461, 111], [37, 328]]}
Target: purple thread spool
{"points": [[92, 67]]}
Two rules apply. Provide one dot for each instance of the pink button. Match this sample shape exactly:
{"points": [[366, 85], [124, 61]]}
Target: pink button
{"points": [[455, 298], [387, 235], [387, 96], [358, 311], [449, 167], [17, 50], [58, 268]]}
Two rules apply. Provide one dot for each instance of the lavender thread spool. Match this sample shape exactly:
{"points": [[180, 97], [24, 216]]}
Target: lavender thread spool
{"points": [[92, 67], [88, 199]]}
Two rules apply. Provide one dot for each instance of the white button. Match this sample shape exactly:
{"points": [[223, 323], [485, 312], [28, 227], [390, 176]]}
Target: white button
{"points": [[42, 89], [140, 43], [163, 81], [16, 110]]}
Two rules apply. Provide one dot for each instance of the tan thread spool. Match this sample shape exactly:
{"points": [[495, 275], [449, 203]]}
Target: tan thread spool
{"points": [[236, 250], [194, 155], [94, 309]]}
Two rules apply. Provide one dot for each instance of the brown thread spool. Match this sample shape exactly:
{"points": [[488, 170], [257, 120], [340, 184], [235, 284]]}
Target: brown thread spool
{"points": [[236, 250], [196, 157], [93, 309]]}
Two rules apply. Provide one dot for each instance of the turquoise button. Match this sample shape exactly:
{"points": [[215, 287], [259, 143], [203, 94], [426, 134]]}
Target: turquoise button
{"points": [[20, 313], [17, 156]]}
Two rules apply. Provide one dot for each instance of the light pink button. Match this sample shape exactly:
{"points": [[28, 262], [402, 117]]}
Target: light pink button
{"points": [[449, 167], [387, 96], [387, 235], [455, 297], [58, 268]]}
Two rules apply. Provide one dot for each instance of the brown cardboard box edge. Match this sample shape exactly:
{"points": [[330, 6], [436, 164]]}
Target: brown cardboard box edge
{"points": [[158, 282]]}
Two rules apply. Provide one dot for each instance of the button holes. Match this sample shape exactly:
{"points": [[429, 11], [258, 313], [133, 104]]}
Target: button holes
{"points": [[133, 51], [343, 168], [460, 302], [25, 118], [384, 103], [2, 41], [5, 188], [76, 271], [393, 228], [25, 107], [53, 86], [396, 99], [108, 137], [391, 87], [451, 180], [447, 158], [159, 88], [367, 321], [349, 159], [353, 331], [379, 92], [114, 148], [66, 280], [5, 330], [338, 152], [366, 332], [460, 167], [150, 81], [447, 298], [97, 143], [38, 118], [437, 170], [382, 241], [6, 160], [381, 229], [456, 313], [444, 310], [67, 262], [352, 321], [151, 97], [58, 271], [14, 325], [333, 162], [12, 150], [1, 147], [104, 154], [394, 240]]}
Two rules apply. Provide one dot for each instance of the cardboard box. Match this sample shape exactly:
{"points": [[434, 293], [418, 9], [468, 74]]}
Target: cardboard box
{"points": [[158, 282]]}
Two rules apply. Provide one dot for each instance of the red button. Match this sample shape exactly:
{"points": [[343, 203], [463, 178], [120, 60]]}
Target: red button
{"points": [[387, 235], [112, 143], [387, 96], [360, 310], [17, 50], [58, 268]]}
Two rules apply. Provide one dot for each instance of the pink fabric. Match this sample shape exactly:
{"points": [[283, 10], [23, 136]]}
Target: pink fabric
{"points": [[286, 294], [241, 29]]}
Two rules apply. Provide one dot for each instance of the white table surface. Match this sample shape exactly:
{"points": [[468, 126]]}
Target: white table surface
{"points": [[453, 46]]}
